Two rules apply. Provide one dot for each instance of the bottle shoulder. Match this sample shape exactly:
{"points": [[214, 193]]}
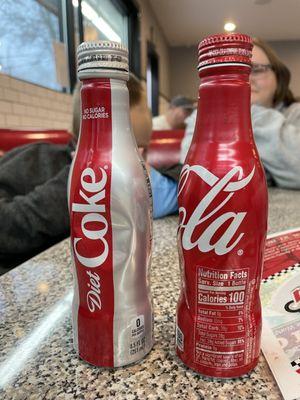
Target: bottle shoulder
{"points": [[222, 153]]}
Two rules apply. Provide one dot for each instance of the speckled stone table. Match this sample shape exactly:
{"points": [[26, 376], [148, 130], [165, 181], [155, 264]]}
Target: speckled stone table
{"points": [[37, 360]]}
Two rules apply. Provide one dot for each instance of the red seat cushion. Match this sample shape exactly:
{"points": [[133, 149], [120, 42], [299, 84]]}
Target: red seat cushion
{"points": [[10, 138], [164, 148]]}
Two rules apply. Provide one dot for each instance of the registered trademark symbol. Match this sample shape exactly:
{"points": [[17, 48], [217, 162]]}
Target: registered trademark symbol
{"points": [[240, 252]]}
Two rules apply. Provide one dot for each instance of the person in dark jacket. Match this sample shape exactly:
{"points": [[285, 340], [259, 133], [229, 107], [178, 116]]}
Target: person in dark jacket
{"points": [[33, 206]]}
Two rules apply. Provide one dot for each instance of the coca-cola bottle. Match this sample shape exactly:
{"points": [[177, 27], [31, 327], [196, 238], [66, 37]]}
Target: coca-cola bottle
{"points": [[222, 198], [111, 217]]}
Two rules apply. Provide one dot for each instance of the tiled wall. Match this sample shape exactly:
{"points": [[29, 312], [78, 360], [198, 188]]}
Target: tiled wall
{"points": [[24, 106]]}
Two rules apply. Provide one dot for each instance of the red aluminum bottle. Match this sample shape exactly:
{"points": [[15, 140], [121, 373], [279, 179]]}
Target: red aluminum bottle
{"points": [[222, 199], [111, 217]]}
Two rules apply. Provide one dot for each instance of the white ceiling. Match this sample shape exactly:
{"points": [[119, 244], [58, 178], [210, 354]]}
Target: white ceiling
{"points": [[186, 22]]}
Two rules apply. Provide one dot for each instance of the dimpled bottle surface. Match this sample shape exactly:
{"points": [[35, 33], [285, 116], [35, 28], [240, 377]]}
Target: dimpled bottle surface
{"points": [[222, 200], [111, 217]]}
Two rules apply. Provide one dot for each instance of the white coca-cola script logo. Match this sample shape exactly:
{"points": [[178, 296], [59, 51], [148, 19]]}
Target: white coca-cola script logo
{"points": [[198, 215], [92, 211]]}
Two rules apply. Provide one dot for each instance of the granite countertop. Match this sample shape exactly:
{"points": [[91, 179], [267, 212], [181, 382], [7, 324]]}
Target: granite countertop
{"points": [[37, 360]]}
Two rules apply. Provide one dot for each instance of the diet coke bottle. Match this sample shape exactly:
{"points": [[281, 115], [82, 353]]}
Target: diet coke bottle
{"points": [[111, 217], [222, 198]]}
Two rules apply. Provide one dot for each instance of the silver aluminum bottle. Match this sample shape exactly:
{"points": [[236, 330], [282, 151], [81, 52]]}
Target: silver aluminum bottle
{"points": [[110, 206]]}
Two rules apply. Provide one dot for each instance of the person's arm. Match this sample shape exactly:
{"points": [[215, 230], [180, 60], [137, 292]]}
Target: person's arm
{"points": [[30, 221], [278, 141], [164, 191]]}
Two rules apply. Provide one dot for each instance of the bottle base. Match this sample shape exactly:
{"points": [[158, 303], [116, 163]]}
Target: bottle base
{"points": [[119, 365], [233, 373]]}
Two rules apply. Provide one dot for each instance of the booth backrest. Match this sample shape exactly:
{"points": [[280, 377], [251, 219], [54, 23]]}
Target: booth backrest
{"points": [[163, 151], [10, 138], [164, 148]]}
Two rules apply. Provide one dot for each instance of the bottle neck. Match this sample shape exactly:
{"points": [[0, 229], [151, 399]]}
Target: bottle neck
{"points": [[98, 92], [102, 101], [224, 104]]}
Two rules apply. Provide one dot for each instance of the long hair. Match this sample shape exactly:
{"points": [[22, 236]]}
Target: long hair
{"points": [[76, 110], [135, 90], [283, 93]]}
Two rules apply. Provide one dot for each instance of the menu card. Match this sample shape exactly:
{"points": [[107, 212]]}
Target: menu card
{"points": [[280, 298]]}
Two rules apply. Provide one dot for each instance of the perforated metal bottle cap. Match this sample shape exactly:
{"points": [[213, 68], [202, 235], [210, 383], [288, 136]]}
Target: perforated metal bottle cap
{"points": [[102, 59], [225, 48]]}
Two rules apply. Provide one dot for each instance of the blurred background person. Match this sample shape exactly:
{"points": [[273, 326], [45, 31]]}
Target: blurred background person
{"points": [[179, 109], [163, 182], [275, 118], [140, 115], [33, 199]]}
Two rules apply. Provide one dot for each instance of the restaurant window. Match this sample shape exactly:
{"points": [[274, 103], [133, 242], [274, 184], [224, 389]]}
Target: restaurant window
{"points": [[152, 79], [115, 20], [30, 42]]}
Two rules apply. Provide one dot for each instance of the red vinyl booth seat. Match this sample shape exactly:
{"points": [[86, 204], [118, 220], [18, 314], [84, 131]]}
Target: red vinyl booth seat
{"points": [[163, 151], [10, 138], [164, 148]]}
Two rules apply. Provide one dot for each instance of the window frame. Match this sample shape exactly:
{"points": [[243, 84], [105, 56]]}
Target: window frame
{"points": [[66, 22], [153, 69], [62, 37], [67, 36], [129, 9]]}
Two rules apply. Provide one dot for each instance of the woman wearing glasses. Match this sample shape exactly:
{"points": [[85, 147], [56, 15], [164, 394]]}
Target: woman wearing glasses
{"points": [[275, 118]]}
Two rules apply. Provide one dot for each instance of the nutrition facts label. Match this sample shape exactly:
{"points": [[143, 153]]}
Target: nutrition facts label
{"points": [[223, 325]]}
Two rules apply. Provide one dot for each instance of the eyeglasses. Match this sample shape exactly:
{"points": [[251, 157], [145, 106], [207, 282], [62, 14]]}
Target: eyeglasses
{"points": [[257, 69]]}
